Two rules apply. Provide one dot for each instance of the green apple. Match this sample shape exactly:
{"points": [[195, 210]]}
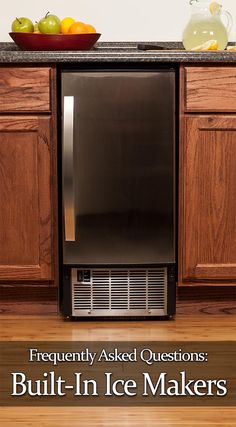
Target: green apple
{"points": [[50, 24], [22, 25]]}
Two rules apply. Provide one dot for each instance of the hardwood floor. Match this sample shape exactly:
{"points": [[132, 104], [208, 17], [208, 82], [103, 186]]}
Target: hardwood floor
{"points": [[51, 328], [117, 417], [35, 299], [54, 328]]}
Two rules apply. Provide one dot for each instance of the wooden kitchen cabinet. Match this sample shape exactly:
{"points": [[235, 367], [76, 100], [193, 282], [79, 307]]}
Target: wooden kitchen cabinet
{"points": [[25, 89], [209, 89], [28, 182], [207, 233], [26, 233], [207, 175]]}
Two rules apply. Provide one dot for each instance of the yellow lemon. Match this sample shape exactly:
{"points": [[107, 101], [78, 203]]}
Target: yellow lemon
{"points": [[214, 8], [209, 45], [231, 48], [36, 28], [66, 24]]}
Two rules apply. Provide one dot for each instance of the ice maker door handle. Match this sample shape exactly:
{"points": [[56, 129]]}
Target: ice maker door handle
{"points": [[68, 169]]}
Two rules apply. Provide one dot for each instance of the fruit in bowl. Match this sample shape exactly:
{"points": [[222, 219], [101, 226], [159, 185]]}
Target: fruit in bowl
{"points": [[78, 28], [36, 28], [81, 28], [91, 28], [66, 24], [22, 25], [50, 24]]}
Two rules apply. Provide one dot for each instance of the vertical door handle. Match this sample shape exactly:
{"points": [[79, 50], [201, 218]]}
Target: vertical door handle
{"points": [[68, 168]]}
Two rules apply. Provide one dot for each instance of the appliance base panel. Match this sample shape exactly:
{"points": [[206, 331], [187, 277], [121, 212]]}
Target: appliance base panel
{"points": [[119, 292]]}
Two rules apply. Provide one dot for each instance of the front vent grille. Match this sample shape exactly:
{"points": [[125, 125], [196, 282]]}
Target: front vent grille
{"points": [[120, 292], [100, 298]]}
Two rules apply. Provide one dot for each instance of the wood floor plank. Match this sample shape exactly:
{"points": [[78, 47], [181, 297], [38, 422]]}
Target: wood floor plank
{"points": [[115, 417], [203, 327], [54, 328]]}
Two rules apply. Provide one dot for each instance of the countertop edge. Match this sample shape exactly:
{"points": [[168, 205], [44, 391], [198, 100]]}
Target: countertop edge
{"points": [[125, 52]]}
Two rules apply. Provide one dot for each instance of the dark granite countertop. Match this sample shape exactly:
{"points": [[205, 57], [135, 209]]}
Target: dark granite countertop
{"points": [[114, 52]]}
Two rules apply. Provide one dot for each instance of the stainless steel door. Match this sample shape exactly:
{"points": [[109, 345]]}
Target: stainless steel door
{"points": [[118, 167]]}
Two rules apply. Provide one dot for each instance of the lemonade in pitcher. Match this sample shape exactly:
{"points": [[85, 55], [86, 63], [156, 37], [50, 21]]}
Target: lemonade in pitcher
{"points": [[205, 30]]}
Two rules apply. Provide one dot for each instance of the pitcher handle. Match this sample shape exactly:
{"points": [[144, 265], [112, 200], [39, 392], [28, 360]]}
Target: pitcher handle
{"points": [[229, 20]]}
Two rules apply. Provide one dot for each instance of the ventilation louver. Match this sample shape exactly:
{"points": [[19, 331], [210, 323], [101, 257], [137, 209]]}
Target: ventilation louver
{"points": [[122, 292]]}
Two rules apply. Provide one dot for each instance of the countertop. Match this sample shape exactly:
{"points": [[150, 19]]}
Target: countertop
{"points": [[114, 52]]}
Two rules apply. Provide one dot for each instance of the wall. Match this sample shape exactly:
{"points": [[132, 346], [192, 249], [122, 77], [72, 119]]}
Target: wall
{"points": [[116, 19]]}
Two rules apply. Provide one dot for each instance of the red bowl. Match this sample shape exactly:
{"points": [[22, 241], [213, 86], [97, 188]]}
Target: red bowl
{"points": [[36, 41]]}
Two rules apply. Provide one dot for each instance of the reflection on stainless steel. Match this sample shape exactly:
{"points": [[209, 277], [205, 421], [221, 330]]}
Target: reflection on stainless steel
{"points": [[119, 192], [123, 176], [68, 173]]}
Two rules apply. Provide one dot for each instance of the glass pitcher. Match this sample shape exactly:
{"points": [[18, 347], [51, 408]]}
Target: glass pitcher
{"points": [[205, 27]]}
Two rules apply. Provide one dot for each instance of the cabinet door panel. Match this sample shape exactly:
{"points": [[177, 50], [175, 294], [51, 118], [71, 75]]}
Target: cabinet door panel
{"points": [[25, 199], [25, 89], [208, 210]]}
